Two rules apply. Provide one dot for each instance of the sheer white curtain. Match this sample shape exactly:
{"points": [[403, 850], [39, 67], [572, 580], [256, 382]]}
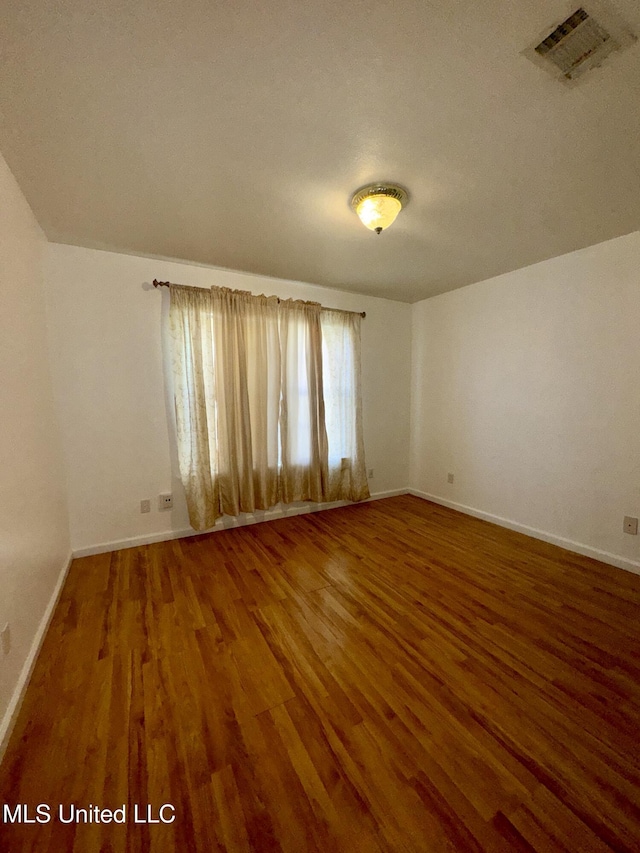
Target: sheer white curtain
{"points": [[347, 478], [252, 418], [302, 427]]}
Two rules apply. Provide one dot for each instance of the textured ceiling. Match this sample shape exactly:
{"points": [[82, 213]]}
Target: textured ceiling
{"points": [[235, 133]]}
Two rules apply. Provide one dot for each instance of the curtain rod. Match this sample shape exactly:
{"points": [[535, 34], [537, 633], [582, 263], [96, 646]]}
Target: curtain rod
{"points": [[157, 283]]}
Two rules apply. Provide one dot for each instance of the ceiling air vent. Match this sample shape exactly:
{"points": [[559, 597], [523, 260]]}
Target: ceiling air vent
{"points": [[581, 42]]}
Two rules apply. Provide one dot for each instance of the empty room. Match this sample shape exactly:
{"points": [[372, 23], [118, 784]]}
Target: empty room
{"points": [[319, 427]]}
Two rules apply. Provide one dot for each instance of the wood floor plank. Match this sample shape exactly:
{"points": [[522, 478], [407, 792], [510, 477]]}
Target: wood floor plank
{"points": [[392, 676]]}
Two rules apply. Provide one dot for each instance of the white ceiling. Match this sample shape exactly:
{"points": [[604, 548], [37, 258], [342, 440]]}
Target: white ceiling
{"points": [[234, 133]]}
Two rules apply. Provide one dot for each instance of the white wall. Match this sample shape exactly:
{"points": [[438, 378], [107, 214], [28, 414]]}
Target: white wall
{"points": [[527, 388], [105, 323], [34, 539]]}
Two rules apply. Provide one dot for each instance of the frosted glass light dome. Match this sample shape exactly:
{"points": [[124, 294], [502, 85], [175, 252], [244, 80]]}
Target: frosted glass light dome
{"points": [[378, 205]]}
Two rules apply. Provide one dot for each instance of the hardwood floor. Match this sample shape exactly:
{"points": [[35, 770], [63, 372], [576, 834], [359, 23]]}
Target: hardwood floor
{"points": [[392, 676]]}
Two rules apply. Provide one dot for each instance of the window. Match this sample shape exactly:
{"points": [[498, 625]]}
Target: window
{"points": [[267, 398]]}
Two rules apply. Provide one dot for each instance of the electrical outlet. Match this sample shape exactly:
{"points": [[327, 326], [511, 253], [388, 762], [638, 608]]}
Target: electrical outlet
{"points": [[370, 473], [165, 500], [6, 639], [630, 525], [145, 506], [449, 478]]}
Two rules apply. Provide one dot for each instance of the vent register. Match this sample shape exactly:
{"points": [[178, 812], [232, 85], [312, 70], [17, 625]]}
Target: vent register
{"points": [[581, 42]]}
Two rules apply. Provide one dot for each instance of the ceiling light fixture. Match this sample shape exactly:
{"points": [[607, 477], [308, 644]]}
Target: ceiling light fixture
{"points": [[377, 205]]}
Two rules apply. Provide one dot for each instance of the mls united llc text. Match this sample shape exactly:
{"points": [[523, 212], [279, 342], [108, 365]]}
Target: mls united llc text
{"points": [[44, 813]]}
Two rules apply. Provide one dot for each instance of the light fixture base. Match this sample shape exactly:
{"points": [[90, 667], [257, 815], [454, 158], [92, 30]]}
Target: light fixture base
{"points": [[391, 190]]}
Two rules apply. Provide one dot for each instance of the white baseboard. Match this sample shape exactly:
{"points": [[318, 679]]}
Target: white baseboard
{"points": [[391, 493], [567, 544], [10, 715], [225, 523]]}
